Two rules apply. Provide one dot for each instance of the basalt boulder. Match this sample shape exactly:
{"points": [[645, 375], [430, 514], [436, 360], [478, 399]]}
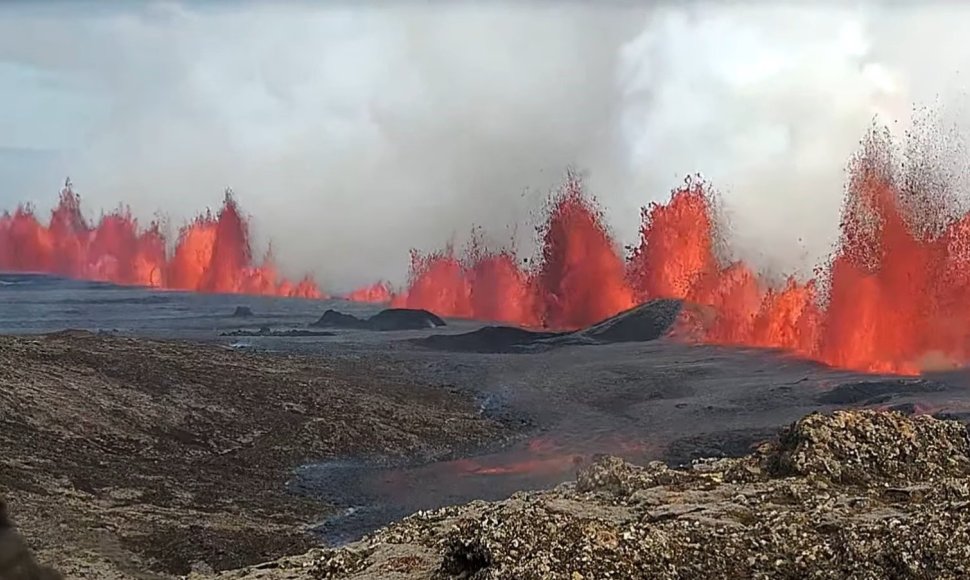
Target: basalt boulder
{"points": [[404, 319], [385, 320], [242, 312]]}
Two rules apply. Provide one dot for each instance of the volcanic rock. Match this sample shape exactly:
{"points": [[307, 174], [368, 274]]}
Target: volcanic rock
{"points": [[267, 331], [641, 323], [389, 319], [877, 391], [855, 494], [333, 319], [128, 458], [404, 319], [242, 312], [867, 447], [490, 339]]}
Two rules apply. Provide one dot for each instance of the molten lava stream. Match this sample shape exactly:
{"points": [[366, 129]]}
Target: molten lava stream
{"points": [[558, 465], [212, 254]]}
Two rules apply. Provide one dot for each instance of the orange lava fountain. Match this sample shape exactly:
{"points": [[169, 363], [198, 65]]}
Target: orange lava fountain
{"points": [[894, 297], [212, 254], [377, 293], [580, 279]]}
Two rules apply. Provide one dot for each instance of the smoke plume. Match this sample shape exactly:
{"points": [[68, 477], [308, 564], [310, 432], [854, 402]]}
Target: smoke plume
{"points": [[353, 134]]}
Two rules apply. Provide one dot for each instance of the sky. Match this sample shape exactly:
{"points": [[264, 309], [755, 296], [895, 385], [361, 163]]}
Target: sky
{"points": [[354, 132]]}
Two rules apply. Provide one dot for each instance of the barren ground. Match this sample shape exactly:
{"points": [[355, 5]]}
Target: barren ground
{"points": [[143, 457], [123, 456]]}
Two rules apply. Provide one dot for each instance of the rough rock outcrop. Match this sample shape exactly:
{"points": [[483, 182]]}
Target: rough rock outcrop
{"points": [[855, 494], [389, 319], [641, 323]]}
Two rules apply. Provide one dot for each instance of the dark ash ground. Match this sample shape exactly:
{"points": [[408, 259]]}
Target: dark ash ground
{"points": [[124, 457]]}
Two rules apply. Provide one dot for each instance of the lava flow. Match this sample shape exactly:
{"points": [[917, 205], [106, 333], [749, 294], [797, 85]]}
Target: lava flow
{"points": [[212, 253], [894, 297], [547, 457]]}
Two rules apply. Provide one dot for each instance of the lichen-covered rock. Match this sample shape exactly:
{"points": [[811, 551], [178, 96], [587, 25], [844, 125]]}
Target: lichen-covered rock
{"points": [[337, 563], [613, 475], [857, 494], [870, 446]]}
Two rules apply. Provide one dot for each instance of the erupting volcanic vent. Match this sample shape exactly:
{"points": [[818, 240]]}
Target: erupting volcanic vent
{"points": [[212, 253], [894, 297], [580, 279]]}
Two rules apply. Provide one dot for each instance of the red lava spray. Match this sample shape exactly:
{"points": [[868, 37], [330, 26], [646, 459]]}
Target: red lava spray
{"points": [[212, 253], [893, 297]]}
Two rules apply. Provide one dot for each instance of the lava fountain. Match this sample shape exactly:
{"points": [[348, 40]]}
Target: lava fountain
{"points": [[580, 279], [893, 297], [212, 253]]}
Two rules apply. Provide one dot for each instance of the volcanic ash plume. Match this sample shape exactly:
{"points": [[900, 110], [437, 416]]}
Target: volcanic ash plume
{"points": [[212, 253]]}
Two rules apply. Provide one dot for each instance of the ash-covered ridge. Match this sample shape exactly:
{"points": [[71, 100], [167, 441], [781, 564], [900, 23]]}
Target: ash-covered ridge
{"points": [[860, 494]]}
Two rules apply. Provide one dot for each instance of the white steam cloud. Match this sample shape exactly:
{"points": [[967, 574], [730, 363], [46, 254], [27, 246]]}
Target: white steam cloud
{"points": [[354, 134]]}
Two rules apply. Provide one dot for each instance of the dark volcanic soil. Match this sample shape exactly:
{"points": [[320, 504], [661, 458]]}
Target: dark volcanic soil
{"points": [[122, 454]]}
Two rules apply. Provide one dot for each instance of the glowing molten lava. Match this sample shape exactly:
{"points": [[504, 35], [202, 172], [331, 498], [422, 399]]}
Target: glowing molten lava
{"points": [[378, 293], [894, 297], [581, 278], [212, 253], [897, 285]]}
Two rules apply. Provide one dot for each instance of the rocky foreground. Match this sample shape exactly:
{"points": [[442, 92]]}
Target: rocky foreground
{"points": [[130, 458], [855, 494]]}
